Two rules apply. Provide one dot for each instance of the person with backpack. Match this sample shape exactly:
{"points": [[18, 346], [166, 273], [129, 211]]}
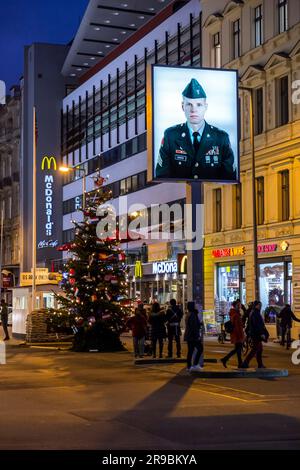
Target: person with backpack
{"points": [[174, 316], [236, 334], [286, 316], [193, 336], [258, 333]]}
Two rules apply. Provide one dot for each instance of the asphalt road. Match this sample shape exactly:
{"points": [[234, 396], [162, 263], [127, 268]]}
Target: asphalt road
{"points": [[53, 399]]}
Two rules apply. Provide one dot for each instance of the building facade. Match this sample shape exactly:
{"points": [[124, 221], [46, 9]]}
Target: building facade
{"points": [[260, 38], [10, 121], [104, 125], [42, 88]]}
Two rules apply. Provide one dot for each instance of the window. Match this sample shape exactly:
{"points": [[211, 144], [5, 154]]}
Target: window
{"points": [[7, 250], [285, 195], [8, 207], [283, 101], [236, 39], [216, 59], [260, 200], [68, 235], [258, 24], [258, 111], [282, 16], [218, 210], [237, 204]]}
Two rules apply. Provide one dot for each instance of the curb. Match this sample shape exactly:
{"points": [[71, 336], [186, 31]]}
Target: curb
{"points": [[243, 374], [168, 361]]}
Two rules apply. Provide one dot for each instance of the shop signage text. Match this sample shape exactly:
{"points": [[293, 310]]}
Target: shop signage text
{"points": [[224, 252], [50, 163], [48, 244], [241, 250], [267, 248], [165, 267], [42, 276]]}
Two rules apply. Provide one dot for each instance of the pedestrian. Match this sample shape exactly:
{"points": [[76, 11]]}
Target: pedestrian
{"points": [[192, 335], [174, 315], [258, 333], [141, 309], [4, 319], [157, 320], [246, 314], [138, 325], [286, 320], [237, 335]]}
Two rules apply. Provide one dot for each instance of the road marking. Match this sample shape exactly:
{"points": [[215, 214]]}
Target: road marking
{"points": [[220, 395], [234, 389]]}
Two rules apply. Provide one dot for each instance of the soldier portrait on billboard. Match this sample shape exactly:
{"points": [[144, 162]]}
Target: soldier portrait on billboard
{"points": [[195, 150]]}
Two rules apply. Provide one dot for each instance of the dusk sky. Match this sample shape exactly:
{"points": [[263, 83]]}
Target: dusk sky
{"points": [[24, 22]]}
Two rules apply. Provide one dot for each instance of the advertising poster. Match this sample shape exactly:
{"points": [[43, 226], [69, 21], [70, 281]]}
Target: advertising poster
{"points": [[192, 124]]}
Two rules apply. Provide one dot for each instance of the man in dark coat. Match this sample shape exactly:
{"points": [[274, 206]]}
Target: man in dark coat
{"points": [[192, 336], [4, 319], [174, 316], [258, 333], [286, 320], [195, 150]]}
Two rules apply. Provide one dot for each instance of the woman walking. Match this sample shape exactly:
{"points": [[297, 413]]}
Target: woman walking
{"points": [[237, 335]]}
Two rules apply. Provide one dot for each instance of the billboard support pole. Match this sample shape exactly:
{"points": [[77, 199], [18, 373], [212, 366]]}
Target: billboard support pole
{"points": [[195, 290], [195, 275]]}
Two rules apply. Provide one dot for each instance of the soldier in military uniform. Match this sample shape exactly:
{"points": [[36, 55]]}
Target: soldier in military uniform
{"points": [[195, 150]]}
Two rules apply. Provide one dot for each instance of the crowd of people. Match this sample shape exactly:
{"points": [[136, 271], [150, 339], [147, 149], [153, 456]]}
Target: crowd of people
{"points": [[246, 327], [163, 324]]}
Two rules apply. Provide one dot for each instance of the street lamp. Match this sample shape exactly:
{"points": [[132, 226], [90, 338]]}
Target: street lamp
{"points": [[67, 169], [255, 257]]}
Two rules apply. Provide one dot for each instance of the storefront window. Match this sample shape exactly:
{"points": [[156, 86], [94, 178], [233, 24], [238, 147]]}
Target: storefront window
{"points": [[48, 300], [231, 283], [271, 284]]}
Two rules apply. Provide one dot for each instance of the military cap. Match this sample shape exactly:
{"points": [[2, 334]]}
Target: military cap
{"points": [[194, 90]]}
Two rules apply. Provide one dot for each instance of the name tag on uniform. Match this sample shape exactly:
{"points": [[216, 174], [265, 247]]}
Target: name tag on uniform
{"points": [[180, 158]]}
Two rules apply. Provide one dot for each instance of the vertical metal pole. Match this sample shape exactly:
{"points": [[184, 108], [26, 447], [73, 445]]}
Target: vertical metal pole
{"points": [[135, 95], [1, 247], [101, 116], [34, 212], [83, 190], [255, 257], [126, 99]]}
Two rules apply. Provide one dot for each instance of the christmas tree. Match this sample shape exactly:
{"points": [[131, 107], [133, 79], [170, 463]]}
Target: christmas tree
{"points": [[94, 281]]}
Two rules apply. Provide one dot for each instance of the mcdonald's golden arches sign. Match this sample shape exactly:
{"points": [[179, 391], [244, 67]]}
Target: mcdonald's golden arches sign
{"points": [[49, 163]]}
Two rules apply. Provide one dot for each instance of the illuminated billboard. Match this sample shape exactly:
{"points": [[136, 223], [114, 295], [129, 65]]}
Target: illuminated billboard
{"points": [[192, 122]]}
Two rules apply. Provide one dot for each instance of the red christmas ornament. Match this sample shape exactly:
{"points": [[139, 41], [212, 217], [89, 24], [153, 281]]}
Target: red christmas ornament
{"points": [[72, 272], [72, 281], [64, 247], [99, 181]]}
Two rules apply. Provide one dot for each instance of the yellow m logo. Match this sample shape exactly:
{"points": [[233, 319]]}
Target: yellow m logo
{"points": [[138, 269], [49, 161], [182, 263]]}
